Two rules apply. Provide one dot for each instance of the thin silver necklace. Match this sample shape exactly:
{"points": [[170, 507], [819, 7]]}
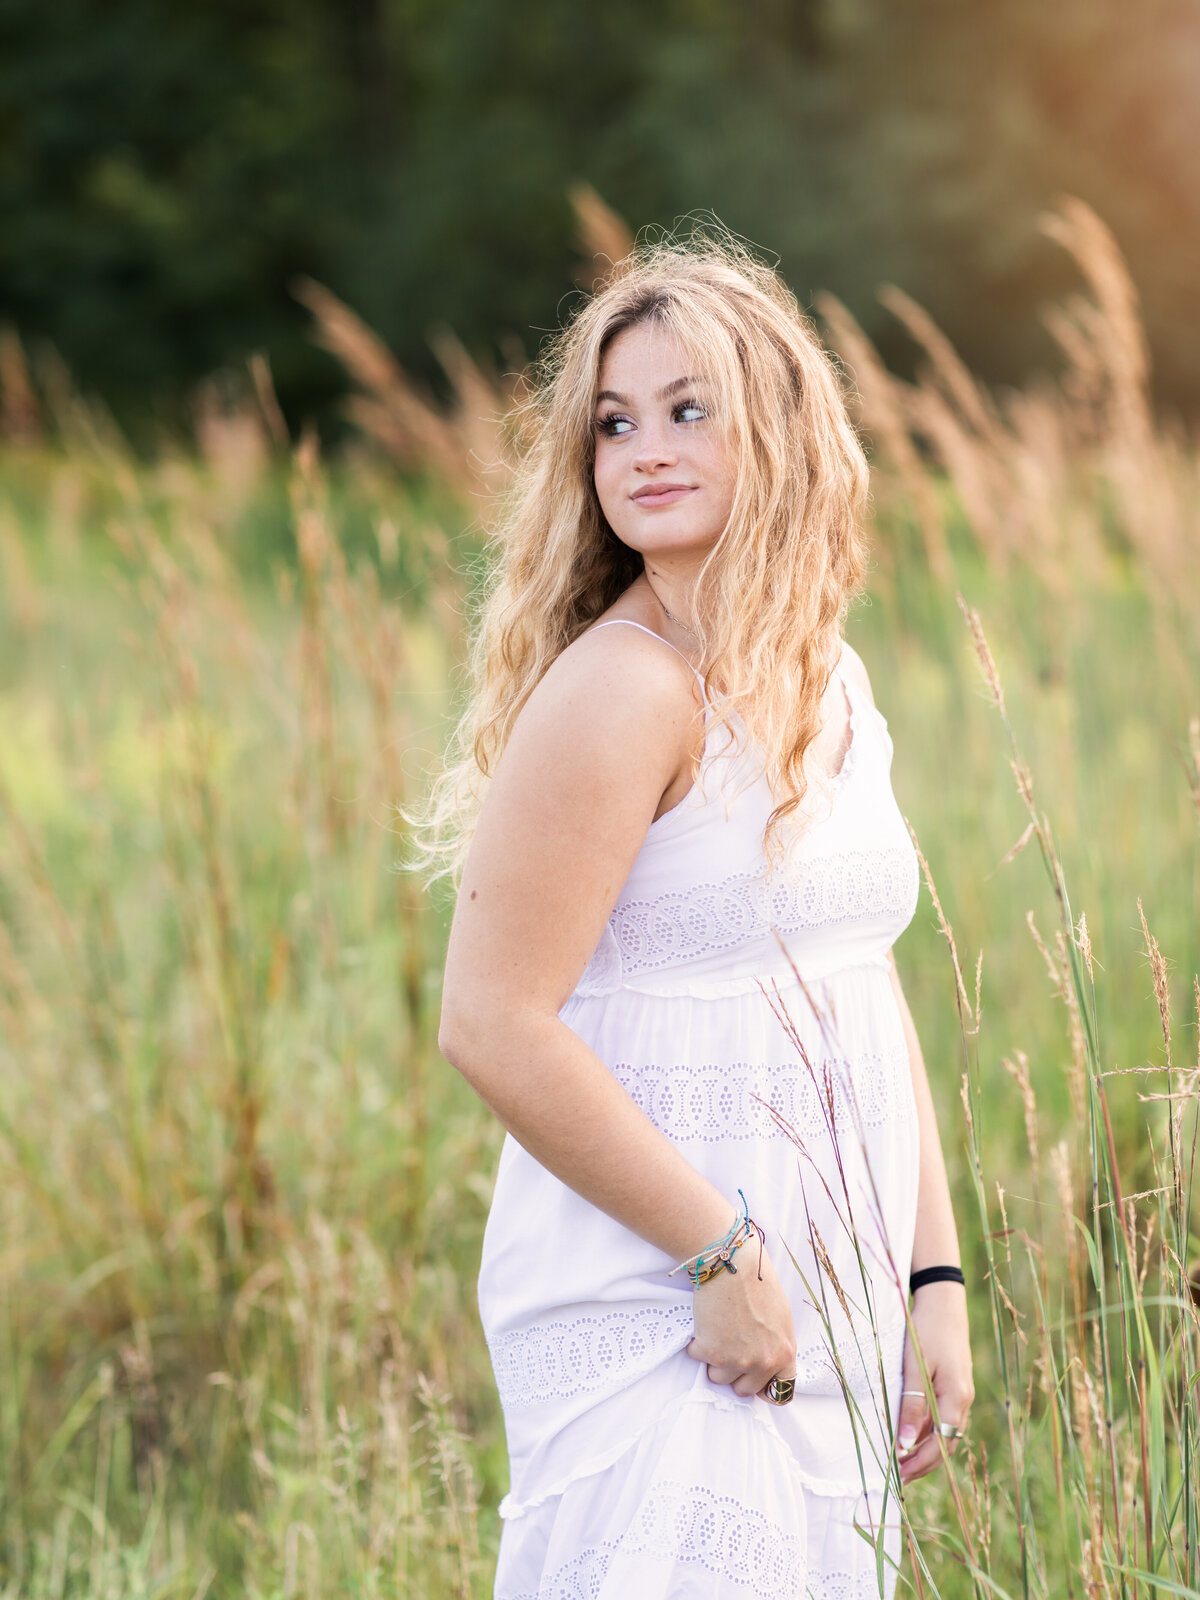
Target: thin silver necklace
{"points": [[687, 628]]}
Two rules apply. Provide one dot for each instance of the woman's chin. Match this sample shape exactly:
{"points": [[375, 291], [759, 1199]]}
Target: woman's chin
{"points": [[666, 543]]}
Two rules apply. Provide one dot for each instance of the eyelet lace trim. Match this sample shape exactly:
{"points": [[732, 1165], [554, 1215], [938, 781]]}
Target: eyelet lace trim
{"points": [[686, 1522], [684, 925], [851, 1586], [863, 1351], [714, 1104], [554, 1359]]}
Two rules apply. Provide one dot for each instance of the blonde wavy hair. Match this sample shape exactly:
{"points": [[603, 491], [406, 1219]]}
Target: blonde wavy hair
{"points": [[770, 600]]}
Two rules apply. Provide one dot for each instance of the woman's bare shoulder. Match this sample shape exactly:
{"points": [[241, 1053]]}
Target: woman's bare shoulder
{"points": [[648, 676], [592, 751], [617, 705]]}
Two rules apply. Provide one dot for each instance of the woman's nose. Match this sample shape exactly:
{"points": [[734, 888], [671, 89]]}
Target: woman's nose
{"points": [[656, 448]]}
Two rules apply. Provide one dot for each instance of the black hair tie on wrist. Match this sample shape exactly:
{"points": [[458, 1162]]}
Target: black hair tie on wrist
{"points": [[935, 1275]]}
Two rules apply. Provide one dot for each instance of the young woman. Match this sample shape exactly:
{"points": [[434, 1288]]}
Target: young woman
{"points": [[669, 975]]}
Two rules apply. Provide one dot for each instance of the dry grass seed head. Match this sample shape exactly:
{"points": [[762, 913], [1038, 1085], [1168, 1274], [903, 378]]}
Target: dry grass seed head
{"points": [[880, 407], [947, 930], [984, 653], [1193, 766], [827, 1267], [604, 237], [1162, 994], [1019, 1071]]}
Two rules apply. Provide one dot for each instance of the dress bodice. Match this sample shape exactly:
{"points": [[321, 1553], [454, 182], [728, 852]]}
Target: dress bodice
{"points": [[701, 910]]}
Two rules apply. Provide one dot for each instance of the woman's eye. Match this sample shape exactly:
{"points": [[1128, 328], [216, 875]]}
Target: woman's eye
{"points": [[613, 427], [690, 411]]}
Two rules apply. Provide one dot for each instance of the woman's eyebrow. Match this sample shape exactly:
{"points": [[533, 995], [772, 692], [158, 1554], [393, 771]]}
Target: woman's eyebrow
{"points": [[663, 394], [674, 388]]}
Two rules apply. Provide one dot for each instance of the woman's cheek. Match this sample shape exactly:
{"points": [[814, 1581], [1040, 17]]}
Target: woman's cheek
{"points": [[606, 494]]}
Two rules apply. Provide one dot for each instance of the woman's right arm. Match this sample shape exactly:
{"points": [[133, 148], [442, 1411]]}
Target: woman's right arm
{"points": [[595, 747]]}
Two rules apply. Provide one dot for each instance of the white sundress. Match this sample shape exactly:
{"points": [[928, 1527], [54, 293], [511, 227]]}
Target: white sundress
{"points": [[633, 1476]]}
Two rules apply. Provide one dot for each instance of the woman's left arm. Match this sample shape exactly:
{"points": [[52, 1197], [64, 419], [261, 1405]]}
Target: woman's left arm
{"points": [[939, 1310]]}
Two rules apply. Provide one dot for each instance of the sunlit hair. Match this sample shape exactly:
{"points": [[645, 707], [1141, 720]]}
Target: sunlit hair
{"points": [[770, 600]]}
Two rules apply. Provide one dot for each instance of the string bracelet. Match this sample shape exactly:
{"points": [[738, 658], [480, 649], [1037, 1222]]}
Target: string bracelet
{"points": [[918, 1280], [718, 1256]]}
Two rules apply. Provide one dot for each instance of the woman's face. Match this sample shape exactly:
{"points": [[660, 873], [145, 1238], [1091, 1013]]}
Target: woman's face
{"points": [[663, 472]]}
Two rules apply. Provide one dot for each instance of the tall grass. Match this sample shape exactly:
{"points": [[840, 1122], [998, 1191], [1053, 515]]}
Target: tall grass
{"points": [[1092, 1311], [237, 1328], [243, 1197], [1085, 1482]]}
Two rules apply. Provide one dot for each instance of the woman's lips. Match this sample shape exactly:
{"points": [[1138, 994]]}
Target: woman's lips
{"points": [[664, 496]]}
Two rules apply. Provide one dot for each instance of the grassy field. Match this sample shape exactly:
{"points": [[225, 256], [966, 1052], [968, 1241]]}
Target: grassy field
{"points": [[242, 1196]]}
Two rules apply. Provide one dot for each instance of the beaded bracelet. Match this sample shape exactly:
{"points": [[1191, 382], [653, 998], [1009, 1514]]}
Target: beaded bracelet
{"points": [[718, 1257]]}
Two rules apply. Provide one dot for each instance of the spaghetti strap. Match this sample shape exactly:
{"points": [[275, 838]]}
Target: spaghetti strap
{"points": [[612, 623]]}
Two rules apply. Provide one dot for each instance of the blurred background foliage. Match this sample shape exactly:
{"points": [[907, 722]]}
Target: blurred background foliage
{"points": [[168, 169]]}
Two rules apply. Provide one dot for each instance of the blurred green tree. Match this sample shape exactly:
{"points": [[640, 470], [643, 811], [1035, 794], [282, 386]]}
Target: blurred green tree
{"points": [[168, 166]]}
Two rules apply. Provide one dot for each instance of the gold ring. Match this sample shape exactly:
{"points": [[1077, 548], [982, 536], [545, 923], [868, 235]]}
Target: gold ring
{"points": [[780, 1391]]}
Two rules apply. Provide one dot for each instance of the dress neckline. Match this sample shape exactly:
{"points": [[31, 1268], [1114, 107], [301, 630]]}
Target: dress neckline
{"points": [[833, 781], [830, 780]]}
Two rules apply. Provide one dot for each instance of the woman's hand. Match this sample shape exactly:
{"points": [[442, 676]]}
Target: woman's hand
{"points": [[939, 1318], [744, 1326]]}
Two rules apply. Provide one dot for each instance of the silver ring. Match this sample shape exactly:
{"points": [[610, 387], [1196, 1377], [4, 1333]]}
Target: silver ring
{"points": [[920, 1393], [780, 1391], [947, 1430]]}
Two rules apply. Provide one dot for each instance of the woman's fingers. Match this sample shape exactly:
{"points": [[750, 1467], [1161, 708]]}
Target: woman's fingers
{"points": [[751, 1383], [743, 1380], [718, 1372], [926, 1457], [914, 1418], [914, 1408], [939, 1327], [724, 1375], [921, 1451]]}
